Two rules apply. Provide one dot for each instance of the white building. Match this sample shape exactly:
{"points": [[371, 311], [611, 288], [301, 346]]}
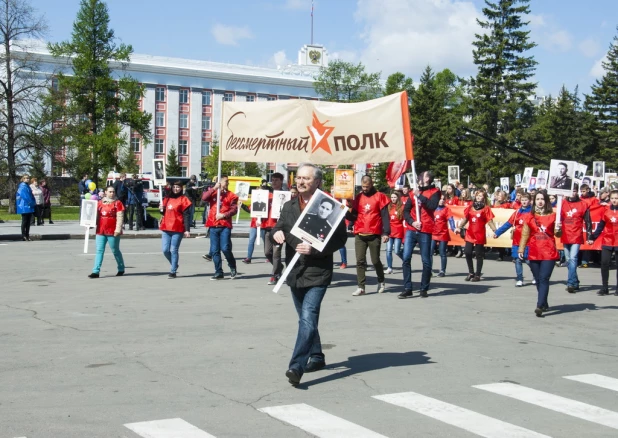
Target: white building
{"points": [[185, 97]]}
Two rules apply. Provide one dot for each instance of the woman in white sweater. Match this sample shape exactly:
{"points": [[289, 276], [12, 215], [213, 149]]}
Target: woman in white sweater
{"points": [[38, 197]]}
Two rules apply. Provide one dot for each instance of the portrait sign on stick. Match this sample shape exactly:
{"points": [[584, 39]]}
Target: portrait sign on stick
{"points": [[561, 177], [598, 170], [453, 174], [343, 187], [504, 184], [280, 197], [159, 173], [88, 216], [541, 179], [259, 203], [526, 178]]}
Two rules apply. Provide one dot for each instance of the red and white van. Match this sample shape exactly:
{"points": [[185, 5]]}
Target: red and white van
{"points": [[152, 192]]}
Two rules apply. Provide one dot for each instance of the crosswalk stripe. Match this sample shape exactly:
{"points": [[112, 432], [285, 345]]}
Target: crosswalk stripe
{"points": [[556, 403], [171, 428], [596, 380], [319, 423], [459, 417]]}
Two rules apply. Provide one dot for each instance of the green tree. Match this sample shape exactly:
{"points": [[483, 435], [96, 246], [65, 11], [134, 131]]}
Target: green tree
{"points": [[254, 169], [398, 82], [346, 82], [210, 163], [37, 164], [127, 162], [498, 102], [172, 167], [603, 104], [95, 102]]}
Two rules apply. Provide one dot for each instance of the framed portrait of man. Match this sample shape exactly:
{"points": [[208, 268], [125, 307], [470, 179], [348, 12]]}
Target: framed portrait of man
{"points": [[561, 174], [580, 173], [159, 172], [611, 181], [541, 179], [259, 203], [525, 180], [88, 216], [598, 170], [411, 180], [453, 174], [242, 190], [532, 183], [319, 220], [517, 179], [280, 197], [504, 184], [437, 183]]}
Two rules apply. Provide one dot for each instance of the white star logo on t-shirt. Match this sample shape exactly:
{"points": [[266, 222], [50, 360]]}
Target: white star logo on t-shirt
{"points": [[367, 207], [473, 219], [542, 227], [613, 219], [392, 217]]}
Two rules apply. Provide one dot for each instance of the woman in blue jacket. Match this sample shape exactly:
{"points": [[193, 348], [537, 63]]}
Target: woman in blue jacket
{"points": [[25, 203]]}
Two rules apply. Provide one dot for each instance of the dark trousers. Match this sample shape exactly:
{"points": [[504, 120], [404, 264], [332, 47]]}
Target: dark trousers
{"points": [[47, 213], [542, 269], [25, 224], [606, 258], [479, 252], [136, 210], [273, 254], [38, 215], [373, 242]]}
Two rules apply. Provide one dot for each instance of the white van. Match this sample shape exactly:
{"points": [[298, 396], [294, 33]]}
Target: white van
{"points": [[152, 192]]}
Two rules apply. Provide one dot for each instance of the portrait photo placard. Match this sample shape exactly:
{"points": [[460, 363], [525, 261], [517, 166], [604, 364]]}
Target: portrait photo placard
{"points": [[437, 183], [611, 181], [319, 220], [259, 203], [525, 180], [504, 184], [561, 174], [280, 197], [517, 179], [88, 217], [541, 179], [343, 187], [242, 190], [159, 173], [453, 174], [532, 183], [598, 170], [580, 173], [411, 179]]}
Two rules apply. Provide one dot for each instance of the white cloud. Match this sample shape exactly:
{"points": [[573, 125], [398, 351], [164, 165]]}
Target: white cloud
{"points": [[597, 71], [279, 59], [298, 4], [536, 21], [559, 40], [344, 55], [589, 48], [407, 36], [230, 35]]}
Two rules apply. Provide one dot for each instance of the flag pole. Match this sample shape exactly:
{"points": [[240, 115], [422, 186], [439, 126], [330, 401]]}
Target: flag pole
{"points": [[415, 184], [219, 162]]}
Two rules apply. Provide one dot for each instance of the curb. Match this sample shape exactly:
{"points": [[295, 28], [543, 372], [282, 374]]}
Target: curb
{"points": [[17, 237]]}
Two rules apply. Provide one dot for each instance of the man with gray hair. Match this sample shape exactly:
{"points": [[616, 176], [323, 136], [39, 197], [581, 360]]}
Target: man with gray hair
{"points": [[310, 277]]}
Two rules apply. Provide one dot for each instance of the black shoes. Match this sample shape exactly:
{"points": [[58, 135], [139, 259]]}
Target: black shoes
{"points": [[119, 273], [217, 277], [246, 261], [538, 312], [469, 277], [441, 274], [207, 257], [293, 377], [93, 275], [572, 289], [51, 223], [603, 291], [405, 294], [314, 365], [424, 294], [233, 273], [171, 275], [476, 278]]}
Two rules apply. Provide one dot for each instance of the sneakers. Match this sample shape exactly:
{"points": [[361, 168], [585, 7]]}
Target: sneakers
{"points": [[343, 266], [171, 275], [358, 292], [246, 261], [533, 281], [119, 273], [217, 277], [93, 275], [389, 271], [207, 257], [233, 273], [538, 312], [405, 294], [572, 289], [583, 265], [273, 280], [441, 274], [603, 291], [469, 277], [381, 288], [476, 278], [519, 283]]}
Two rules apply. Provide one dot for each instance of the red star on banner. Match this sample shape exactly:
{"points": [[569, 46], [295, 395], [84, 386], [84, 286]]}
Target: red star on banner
{"points": [[319, 135]]}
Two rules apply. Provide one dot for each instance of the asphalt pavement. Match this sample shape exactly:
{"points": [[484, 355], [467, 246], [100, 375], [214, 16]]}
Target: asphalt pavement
{"points": [[144, 356]]}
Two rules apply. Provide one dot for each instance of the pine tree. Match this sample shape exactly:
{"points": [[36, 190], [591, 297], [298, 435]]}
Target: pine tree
{"points": [[499, 94], [172, 168], [345, 82], [96, 103], [128, 162], [398, 82], [603, 104]]}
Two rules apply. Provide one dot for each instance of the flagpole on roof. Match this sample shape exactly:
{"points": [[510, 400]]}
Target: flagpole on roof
{"points": [[311, 22]]}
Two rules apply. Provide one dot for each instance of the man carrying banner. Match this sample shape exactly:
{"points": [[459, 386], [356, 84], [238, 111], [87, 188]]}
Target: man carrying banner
{"points": [[428, 198], [370, 215], [309, 278]]}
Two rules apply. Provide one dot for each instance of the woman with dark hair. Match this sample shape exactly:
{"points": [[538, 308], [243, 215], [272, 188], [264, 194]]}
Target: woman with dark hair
{"points": [[501, 201], [478, 215], [25, 205], [538, 234], [395, 213], [608, 228], [441, 236], [450, 197], [175, 223], [110, 217]]}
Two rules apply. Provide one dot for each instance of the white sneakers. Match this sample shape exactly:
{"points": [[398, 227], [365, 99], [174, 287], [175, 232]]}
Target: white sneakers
{"points": [[519, 283], [381, 288], [388, 271], [358, 292], [533, 281]]}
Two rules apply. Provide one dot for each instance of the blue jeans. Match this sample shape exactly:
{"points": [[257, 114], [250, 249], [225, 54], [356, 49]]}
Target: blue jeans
{"points": [[424, 244], [307, 301], [571, 252], [170, 242], [114, 245], [396, 243], [519, 264], [343, 252], [192, 213], [252, 237], [221, 241], [441, 244], [542, 269]]}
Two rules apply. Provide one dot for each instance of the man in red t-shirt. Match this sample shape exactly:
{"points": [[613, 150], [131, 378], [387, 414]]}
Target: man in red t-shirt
{"points": [[369, 212]]}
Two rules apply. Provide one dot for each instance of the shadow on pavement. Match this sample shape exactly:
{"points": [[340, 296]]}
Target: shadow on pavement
{"points": [[569, 308]]}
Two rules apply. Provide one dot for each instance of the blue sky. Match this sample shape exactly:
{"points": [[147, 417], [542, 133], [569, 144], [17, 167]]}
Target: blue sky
{"points": [[386, 35]]}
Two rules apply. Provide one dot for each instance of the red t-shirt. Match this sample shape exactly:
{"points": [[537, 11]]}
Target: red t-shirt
{"points": [[106, 225], [477, 220], [465, 203], [572, 216], [396, 224], [517, 220], [610, 232], [542, 244], [369, 219], [227, 204], [172, 219], [452, 201], [440, 227]]}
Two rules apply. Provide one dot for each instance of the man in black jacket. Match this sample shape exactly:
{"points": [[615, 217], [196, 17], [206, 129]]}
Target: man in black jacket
{"points": [[310, 277]]}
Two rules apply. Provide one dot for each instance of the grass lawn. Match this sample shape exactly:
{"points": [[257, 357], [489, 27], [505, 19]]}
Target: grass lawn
{"points": [[72, 214]]}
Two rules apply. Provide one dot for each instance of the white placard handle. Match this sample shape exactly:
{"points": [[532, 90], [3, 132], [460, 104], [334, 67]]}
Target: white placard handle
{"points": [[86, 238], [285, 274], [559, 210], [238, 213], [259, 231]]}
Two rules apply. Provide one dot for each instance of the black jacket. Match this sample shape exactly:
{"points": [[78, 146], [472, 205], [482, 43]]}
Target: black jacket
{"points": [[315, 269]]}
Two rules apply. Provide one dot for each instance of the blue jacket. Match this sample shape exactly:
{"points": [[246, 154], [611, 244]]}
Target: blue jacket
{"points": [[24, 201]]}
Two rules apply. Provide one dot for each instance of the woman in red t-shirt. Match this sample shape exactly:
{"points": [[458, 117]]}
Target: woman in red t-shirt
{"points": [[175, 223], [608, 229], [449, 196], [110, 217], [538, 233], [395, 213], [478, 215], [442, 219], [501, 201]]}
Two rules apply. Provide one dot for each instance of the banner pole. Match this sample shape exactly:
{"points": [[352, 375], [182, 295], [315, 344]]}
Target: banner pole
{"points": [[219, 162], [415, 183]]}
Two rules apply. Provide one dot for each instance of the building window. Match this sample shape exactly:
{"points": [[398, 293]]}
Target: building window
{"points": [[206, 96], [205, 148], [54, 84], [269, 98], [159, 146], [160, 94], [135, 144], [183, 96], [183, 171], [205, 122], [160, 120], [183, 120], [182, 147], [228, 97], [250, 98]]}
